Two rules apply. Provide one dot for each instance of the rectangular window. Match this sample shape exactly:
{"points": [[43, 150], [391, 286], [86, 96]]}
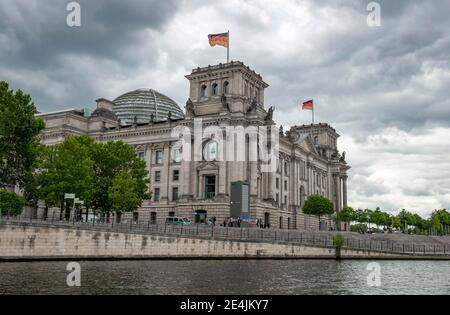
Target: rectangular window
{"points": [[285, 185], [210, 186], [278, 183], [171, 214], [285, 200], [174, 193], [156, 195], [176, 175], [159, 157], [153, 217], [157, 176], [141, 155], [277, 198]]}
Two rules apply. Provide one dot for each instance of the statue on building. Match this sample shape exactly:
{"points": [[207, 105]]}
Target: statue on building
{"points": [[281, 131], [189, 108], [135, 121], [342, 159], [269, 116], [335, 155], [169, 116], [253, 105]]}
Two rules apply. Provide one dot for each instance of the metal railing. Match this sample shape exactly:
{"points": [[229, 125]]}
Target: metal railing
{"points": [[252, 234]]}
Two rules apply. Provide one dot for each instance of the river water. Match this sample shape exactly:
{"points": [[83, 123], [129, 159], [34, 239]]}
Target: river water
{"points": [[227, 277]]}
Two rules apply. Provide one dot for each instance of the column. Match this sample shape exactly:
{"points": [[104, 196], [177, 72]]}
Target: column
{"points": [[165, 176], [337, 192], [253, 178], [188, 191], [271, 184], [344, 191], [222, 178]]}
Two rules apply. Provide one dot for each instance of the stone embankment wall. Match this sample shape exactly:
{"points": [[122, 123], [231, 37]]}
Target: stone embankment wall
{"points": [[28, 242]]}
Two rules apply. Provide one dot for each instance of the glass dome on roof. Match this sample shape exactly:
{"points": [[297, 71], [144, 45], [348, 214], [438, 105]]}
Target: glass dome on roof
{"points": [[144, 103]]}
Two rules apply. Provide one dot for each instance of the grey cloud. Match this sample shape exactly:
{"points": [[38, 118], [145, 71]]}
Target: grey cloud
{"points": [[364, 80]]}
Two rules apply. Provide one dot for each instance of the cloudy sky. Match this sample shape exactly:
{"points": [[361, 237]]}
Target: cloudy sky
{"points": [[386, 89]]}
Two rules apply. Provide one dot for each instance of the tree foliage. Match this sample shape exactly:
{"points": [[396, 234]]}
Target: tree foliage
{"points": [[124, 194], [19, 136], [66, 168], [90, 170], [10, 203], [110, 159], [347, 214], [318, 205], [438, 222]]}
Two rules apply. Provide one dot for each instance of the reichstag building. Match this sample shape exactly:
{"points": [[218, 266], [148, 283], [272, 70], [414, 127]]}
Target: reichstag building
{"points": [[221, 96]]}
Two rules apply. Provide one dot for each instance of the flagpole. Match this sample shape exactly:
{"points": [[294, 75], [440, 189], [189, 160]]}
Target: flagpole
{"points": [[314, 105], [228, 47]]}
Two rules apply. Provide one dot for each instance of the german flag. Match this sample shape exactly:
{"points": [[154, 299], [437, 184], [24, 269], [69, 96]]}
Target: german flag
{"points": [[218, 39], [309, 105]]}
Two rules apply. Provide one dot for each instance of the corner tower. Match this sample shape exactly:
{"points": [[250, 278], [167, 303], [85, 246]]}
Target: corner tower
{"points": [[238, 83]]}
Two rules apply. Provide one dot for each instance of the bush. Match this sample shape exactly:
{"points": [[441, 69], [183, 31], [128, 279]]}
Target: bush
{"points": [[338, 241], [11, 203]]}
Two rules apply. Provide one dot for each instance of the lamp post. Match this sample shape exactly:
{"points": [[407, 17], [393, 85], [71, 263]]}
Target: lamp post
{"points": [[76, 201], [70, 196]]}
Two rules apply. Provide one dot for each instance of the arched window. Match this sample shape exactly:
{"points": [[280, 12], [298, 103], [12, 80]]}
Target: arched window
{"points": [[215, 89], [226, 87], [203, 91], [210, 152]]}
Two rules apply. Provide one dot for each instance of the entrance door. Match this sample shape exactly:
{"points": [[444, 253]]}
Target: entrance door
{"points": [[200, 216], [266, 220]]}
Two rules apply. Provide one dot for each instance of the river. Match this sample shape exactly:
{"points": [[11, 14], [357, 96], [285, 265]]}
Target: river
{"points": [[227, 277]]}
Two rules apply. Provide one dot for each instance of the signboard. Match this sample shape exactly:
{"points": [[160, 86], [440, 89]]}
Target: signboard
{"points": [[69, 196], [240, 199]]}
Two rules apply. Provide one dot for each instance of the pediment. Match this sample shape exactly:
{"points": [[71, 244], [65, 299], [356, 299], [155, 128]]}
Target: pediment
{"points": [[208, 166], [307, 144]]}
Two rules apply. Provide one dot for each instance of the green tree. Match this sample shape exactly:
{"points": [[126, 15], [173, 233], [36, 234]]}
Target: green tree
{"points": [[19, 136], [66, 168], [379, 217], [407, 219], [398, 223], [338, 243], [124, 194], [440, 220], [362, 216], [347, 215], [318, 205], [110, 159], [10, 203]]}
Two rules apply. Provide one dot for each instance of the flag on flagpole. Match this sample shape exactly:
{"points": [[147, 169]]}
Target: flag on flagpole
{"points": [[221, 39], [309, 105]]}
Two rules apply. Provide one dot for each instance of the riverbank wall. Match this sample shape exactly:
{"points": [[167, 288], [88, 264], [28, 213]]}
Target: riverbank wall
{"points": [[33, 242]]}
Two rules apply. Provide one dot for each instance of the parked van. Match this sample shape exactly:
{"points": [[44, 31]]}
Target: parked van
{"points": [[178, 221]]}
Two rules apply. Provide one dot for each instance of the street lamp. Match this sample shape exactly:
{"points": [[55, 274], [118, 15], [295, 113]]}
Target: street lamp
{"points": [[75, 201]]}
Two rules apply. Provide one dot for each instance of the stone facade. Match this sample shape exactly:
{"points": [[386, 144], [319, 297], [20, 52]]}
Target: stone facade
{"points": [[224, 95]]}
